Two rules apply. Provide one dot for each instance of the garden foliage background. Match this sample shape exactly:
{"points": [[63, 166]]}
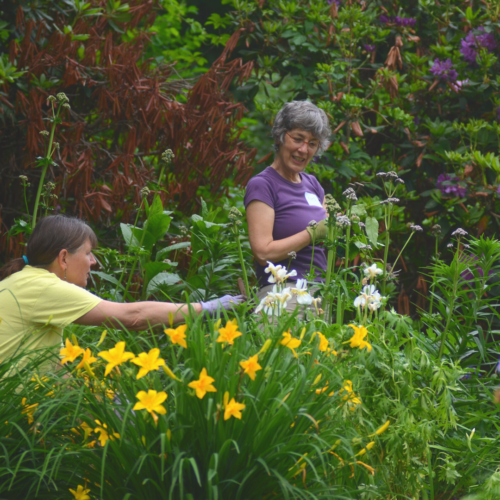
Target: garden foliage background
{"points": [[409, 87]]}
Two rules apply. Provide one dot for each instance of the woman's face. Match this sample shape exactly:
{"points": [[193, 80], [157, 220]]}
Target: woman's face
{"points": [[297, 150], [78, 265]]}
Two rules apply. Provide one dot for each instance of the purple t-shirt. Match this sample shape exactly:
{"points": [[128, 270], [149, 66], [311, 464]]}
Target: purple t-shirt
{"points": [[294, 205]]}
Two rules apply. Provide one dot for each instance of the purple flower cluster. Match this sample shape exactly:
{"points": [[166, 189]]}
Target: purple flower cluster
{"points": [[369, 48], [472, 43], [447, 185], [444, 70], [398, 21], [337, 2]]}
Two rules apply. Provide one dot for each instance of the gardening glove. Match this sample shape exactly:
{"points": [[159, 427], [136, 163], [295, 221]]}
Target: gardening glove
{"points": [[320, 232], [222, 303]]}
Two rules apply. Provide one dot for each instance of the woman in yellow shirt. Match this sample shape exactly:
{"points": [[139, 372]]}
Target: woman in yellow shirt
{"points": [[44, 291]]}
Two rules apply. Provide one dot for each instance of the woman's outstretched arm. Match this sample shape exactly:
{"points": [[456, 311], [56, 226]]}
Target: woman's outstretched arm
{"points": [[137, 315]]}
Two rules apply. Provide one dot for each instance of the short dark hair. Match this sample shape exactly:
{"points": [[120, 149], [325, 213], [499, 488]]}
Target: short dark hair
{"points": [[51, 235]]}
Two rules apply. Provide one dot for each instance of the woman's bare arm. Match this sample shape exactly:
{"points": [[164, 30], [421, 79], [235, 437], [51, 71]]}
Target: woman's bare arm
{"points": [[136, 315], [260, 219]]}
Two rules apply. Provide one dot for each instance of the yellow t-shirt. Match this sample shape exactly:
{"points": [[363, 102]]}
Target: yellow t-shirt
{"points": [[35, 306]]}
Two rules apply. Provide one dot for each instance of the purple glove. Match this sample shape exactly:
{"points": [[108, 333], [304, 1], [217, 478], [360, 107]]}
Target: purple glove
{"points": [[226, 302]]}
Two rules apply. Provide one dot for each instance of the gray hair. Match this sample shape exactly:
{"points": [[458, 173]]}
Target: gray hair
{"points": [[306, 116]]}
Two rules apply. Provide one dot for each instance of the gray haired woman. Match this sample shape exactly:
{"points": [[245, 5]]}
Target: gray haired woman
{"points": [[283, 199]]}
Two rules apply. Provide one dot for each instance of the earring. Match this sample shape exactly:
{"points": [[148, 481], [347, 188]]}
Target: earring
{"points": [[65, 273]]}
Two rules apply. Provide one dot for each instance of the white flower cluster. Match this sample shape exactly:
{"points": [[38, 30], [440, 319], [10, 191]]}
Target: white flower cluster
{"points": [[277, 299], [370, 297]]}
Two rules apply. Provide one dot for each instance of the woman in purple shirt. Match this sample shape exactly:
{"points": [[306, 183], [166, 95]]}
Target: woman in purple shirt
{"points": [[283, 199]]}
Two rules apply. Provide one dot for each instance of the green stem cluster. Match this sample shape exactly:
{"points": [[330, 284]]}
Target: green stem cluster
{"points": [[47, 160]]}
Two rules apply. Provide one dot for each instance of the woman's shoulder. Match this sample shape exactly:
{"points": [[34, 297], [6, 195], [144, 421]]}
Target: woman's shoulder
{"points": [[263, 178]]}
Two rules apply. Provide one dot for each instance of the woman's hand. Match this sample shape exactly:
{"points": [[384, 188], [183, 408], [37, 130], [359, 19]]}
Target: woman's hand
{"points": [[226, 302], [319, 231]]}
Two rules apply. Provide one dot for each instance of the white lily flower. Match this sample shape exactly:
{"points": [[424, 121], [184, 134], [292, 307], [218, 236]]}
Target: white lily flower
{"points": [[373, 271], [303, 296], [283, 276], [274, 270], [275, 302], [360, 301], [370, 297], [278, 273]]}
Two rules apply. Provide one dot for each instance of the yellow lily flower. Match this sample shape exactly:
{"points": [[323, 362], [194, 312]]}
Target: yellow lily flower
{"points": [[360, 332], [178, 335], [104, 433], [28, 410], [229, 332], [148, 362], [323, 341], [80, 493], [115, 357], [203, 384], [250, 366], [87, 358], [290, 342], [151, 402], [350, 397], [70, 352], [233, 409]]}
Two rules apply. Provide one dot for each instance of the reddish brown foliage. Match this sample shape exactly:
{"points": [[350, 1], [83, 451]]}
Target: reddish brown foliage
{"points": [[124, 114]]}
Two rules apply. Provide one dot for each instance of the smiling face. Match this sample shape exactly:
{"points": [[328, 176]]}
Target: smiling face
{"points": [[295, 153], [78, 264]]}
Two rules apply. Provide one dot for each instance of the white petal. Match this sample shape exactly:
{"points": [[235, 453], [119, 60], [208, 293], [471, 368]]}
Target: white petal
{"points": [[359, 301], [304, 299]]}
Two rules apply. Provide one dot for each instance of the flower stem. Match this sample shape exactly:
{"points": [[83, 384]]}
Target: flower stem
{"points": [[433, 277], [452, 303], [347, 236], [242, 260], [312, 253], [129, 244], [46, 165], [404, 246], [332, 253], [387, 221]]}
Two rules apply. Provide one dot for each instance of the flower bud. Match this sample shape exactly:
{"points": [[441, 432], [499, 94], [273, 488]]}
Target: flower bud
{"points": [[266, 346]]}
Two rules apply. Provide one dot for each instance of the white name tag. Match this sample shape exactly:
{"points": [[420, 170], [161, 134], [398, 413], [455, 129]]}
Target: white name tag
{"points": [[312, 199]]}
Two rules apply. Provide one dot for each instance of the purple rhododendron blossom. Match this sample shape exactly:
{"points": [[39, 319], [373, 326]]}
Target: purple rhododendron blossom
{"points": [[398, 20], [369, 48], [472, 43], [444, 70], [337, 2], [446, 184]]}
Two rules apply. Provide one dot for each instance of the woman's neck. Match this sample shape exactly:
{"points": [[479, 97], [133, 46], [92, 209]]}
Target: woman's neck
{"points": [[285, 173]]}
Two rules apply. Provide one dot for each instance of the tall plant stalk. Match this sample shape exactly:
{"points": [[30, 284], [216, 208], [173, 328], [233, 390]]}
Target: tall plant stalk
{"points": [[235, 216], [437, 230], [46, 161], [451, 306]]}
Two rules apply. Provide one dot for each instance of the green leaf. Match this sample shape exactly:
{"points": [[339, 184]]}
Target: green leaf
{"points": [[359, 210], [158, 225], [162, 280], [154, 268], [371, 228], [161, 253]]}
